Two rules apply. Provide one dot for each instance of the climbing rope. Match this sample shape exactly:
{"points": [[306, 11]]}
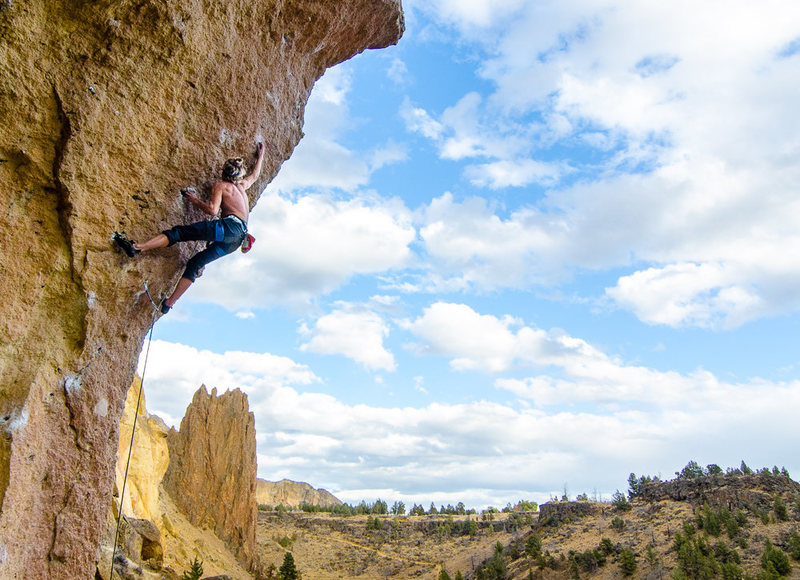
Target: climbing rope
{"points": [[133, 430]]}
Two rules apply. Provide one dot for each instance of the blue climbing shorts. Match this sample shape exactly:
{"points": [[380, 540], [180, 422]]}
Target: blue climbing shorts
{"points": [[225, 235]]}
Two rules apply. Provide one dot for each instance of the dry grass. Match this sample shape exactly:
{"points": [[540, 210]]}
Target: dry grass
{"points": [[327, 547]]}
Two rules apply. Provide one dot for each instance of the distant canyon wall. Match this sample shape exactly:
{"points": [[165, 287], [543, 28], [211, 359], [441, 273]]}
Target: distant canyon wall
{"points": [[292, 494], [108, 108]]}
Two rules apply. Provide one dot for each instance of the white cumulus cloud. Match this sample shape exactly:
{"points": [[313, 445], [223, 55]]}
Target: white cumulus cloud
{"points": [[308, 247], [486, 452], [357, 334]]}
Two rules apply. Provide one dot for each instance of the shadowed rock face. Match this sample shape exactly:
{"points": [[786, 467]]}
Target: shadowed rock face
{"points": [[107, 109]]}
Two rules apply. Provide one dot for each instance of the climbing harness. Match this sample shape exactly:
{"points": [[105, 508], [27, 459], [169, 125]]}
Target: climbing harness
{"points": [[133, 430]]}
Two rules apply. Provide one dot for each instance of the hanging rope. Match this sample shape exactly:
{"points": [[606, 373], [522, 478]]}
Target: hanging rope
{"points": [[133, 430]]}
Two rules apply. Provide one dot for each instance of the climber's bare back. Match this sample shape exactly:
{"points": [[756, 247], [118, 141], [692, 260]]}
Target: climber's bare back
{"points": [[233, 199]]}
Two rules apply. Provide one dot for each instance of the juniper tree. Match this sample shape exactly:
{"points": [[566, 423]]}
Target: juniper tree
{"points": [[195, 571], [287, 571]]}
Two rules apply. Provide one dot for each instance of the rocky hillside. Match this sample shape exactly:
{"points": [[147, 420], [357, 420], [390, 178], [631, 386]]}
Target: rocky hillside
{"points": [[109, 108], [733, 525], [292, 494]]}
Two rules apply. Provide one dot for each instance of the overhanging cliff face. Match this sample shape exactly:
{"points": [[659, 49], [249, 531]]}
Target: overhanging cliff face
{"points": [[107, 109]]}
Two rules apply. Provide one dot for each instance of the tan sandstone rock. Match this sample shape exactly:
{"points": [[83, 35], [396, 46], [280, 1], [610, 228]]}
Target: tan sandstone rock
{"points": [[212, 471], [107, 109], [292, 494], [149, 458]]}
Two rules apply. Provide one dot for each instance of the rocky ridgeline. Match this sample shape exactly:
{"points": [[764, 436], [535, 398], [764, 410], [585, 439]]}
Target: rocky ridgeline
{"points": [[554, 512], [756, 491], [107, 109], [293, 494]]}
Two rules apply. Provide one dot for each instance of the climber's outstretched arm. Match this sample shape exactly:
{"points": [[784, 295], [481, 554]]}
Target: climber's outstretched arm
{"points": [[251, 178], [212, 206]]}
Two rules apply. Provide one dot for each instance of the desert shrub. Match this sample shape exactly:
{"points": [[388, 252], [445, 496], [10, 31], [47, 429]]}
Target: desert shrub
{"points": [[374, 523], [590, 560], [620, 501], [731, 571], [709, 520], [725, 555], [550, 561], [443, 575], [533, 546], [618, 524], [572, 568], [495, 567], [775, 559], [444, 530], [286, 541], [627, 562], [794, 545], [607, 547], [781, 511], [695, 556]]}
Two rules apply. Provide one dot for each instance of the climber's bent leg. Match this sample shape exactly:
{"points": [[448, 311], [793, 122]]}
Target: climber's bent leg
{"points": [[183, 286], [209, 231], [160, 241]]}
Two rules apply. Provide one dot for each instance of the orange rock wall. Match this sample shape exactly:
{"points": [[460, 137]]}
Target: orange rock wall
{"points": [[212, 469], [108, 108]]}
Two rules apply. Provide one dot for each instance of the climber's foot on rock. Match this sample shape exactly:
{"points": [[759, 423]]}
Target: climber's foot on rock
{"points": [[125, 244]]}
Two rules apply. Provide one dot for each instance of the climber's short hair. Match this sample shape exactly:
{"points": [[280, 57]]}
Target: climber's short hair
{"points": [[234, 170]]}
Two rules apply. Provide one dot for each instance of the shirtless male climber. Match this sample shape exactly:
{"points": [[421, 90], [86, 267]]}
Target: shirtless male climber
{"points": [[225, 234]]}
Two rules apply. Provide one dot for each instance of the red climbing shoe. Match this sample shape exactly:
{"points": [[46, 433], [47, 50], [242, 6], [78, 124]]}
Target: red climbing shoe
{"points": [[248, 243]]}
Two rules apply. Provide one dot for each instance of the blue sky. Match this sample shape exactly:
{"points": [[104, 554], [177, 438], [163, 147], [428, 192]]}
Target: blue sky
{"points": [[536, 245]]}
